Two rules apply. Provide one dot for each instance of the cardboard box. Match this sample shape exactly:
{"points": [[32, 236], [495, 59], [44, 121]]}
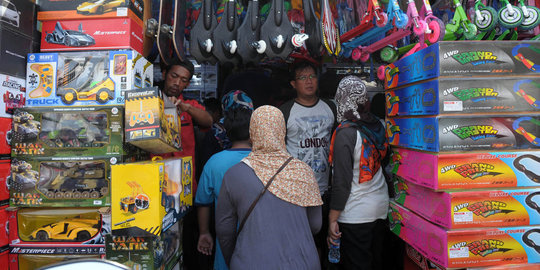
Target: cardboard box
{"points": [[85, 78], [61, 182], [4, 233], [19, 16], [5, 136], [85, 35], [68, 131], [5, 173], [35, 261], [149, 197], [468, 170], [464, 59], [13, 91], [31, 230], [465, 247], [152, 121], [471, 209], [85, 9], [13, 50], [150, 252], [465, 133], [466, 95]]}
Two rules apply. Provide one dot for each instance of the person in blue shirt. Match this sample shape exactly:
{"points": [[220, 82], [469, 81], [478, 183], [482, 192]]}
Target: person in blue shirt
{"points": [[236, 124]]}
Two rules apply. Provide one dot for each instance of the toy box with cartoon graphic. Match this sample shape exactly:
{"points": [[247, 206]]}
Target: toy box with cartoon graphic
{"points": [[58, 230], [87, 9], [68, 131], [465, 247], [465, 59], [13, 92], [84, 35], [146, 252], [453, 96], [61, 182], [471, 209], [19, 16], [146, 196], [152, 121], [5, 135], [13, 50], [460, 133], [84, 78], [467, 170], [37, 260]]}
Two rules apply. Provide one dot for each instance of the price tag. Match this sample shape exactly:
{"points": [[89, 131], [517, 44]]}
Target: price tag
{"points": [[453, 106], [462, 252], [463, 217]]}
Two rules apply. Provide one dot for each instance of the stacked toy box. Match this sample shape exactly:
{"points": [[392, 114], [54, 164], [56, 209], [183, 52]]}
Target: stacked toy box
{"points": [[463, 120]]}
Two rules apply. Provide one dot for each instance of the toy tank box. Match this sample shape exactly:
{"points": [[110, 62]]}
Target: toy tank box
{"points": [[13, 50], [150, 197], [61, 182], [465, 59], [465, 133], [88, 9], [468, 170], [68, 131], [13, 94], [465, 247], [466, 95], [5, 136], [152, 121], [19, 16], [35, 261], [84, 35], [471, 209], [85, 78], [58, 230], [146, 252]]}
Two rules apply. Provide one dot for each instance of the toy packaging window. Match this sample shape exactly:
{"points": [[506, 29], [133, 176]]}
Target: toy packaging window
{"points": [[75, 129], [120, 64]]}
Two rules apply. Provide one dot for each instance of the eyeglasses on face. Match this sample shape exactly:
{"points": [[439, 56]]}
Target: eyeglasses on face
{"points": [[304, 77]]}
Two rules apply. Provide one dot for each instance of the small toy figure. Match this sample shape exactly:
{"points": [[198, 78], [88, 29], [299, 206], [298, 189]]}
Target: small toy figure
{"points": [[22, 176], [25, 128]]}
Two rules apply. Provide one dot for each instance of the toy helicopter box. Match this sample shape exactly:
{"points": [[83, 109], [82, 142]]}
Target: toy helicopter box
{"points": [[19, 16], [84, 78], [5, 174], [468, 170], [85, 35], [5, 135], [152, 121], [460, 133], [61, 182], [146, 252], [58, 230], [13, 50], [471, 209], [465, 247], [465, 59], [88, 9], [150, 197], [35, 261], [13, 92], [452, 96]]}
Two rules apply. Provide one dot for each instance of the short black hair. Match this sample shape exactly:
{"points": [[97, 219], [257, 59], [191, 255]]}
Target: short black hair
{"points": [[177, 62], [236, 124], [297, 66], [212, 105]]}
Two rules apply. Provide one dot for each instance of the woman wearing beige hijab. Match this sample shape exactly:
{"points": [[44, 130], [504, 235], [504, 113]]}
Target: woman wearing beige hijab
{"points": [[277, 233]]}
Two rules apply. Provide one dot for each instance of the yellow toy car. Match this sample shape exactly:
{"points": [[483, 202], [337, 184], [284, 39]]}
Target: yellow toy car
{"points": [[99, 6], [74, 229]]}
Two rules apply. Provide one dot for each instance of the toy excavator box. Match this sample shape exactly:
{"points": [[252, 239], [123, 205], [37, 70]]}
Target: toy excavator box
{"points": [[151, 121], [146, 196], [60, 182], [84, 78]]}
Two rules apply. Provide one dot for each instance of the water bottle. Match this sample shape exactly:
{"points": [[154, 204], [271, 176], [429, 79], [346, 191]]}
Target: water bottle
{"points": [[333, 253]]}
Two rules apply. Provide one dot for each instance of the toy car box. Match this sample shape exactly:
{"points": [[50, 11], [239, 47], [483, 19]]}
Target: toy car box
{"points": [[468, 170], [465, 133], [149, 197], [458, 96], [13, 91], [61, 182], [87, 9], [5, 133], [19, 16], [465, 59], [58, 230], [471, 209], [14, 47], [35, 261], [84, 78], [146, 252], [152, 121], [464, 247], [84, 35]]}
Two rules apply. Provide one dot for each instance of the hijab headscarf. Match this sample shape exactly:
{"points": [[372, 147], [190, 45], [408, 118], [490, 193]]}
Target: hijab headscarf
{"points": [[230, 101], [296, 183]]}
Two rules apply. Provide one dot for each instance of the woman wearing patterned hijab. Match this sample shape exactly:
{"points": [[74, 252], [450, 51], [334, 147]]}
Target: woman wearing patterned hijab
{"points": [[278, 232], [359, 199]]}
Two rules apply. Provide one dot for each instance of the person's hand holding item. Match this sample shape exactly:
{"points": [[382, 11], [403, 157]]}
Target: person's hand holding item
{"points": [[205, 244], [333, 233], [183, 107]]}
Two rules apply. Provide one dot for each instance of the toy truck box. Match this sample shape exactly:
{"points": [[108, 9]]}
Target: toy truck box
{"points": [[88, 9], [471, 209], [465, 133], [84, 78], [19, 16], [146, 252], [35, 261], [58, 230], [150, 197], [468, 170], [13, 92], [84, 35], [464, 247], [459, 96], [5, 133], [68, 131], [14, 47], [465, 59], [61, 181], [152, 121]]}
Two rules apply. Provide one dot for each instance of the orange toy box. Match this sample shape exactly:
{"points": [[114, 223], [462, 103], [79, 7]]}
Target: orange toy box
{"points": [[465, 247], [471, 209]]}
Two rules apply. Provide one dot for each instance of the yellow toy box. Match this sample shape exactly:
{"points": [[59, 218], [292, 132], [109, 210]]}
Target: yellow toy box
{"points": [[150, 197], [152, 121]]}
